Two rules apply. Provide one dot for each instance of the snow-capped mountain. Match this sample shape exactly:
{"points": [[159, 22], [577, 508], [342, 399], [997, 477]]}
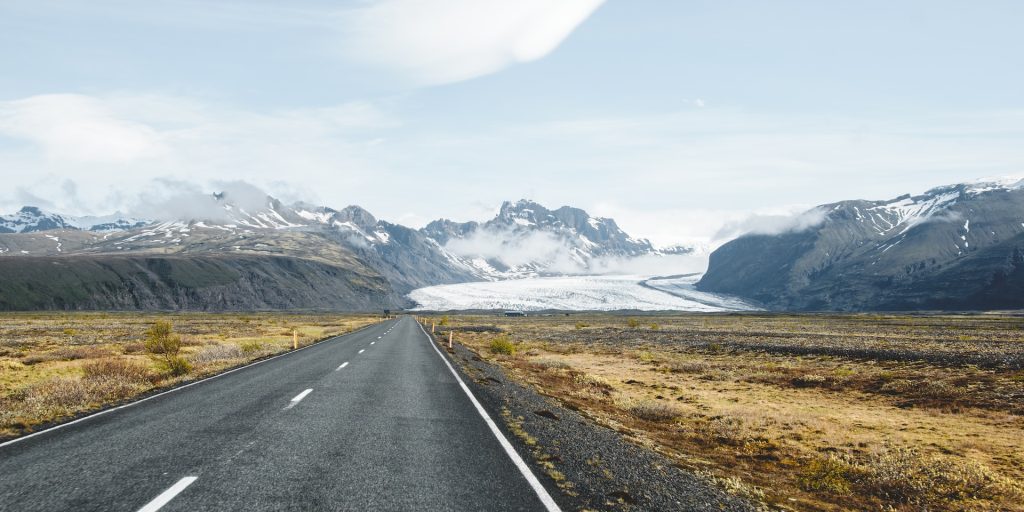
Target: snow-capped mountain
{"points": [[526, 239], [32, 219], [407, 258], [953, 247]]}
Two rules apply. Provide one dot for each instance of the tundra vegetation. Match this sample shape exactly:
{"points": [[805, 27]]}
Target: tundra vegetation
{"points": [[54, 366], [801, 412]]}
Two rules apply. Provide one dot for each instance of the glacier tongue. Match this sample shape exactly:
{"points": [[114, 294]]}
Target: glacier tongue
{"points": [[574, 293]]}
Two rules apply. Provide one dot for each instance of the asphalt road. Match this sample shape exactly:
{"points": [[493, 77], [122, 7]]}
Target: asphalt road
{"points": [[374, 420]]}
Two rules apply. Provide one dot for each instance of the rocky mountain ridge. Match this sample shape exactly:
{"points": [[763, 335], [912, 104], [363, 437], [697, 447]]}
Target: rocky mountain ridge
{"points": [[564, 240], [346, 239], [955, 247]]}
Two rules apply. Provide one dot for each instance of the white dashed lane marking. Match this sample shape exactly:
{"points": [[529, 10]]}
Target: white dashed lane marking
{"points": [[298, 398], [168, 495]]}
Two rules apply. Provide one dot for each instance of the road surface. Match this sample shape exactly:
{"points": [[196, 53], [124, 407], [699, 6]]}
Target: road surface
{"points": [[374, 420]]}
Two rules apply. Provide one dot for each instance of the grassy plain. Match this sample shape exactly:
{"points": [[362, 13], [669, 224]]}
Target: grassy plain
{"points": [[801, 412], [54, 366]]}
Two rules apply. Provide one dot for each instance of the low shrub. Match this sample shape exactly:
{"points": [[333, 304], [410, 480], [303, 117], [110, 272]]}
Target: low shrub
{"points": [[653, 410], [57, 397], [825, 475], [177, 366], [216, 353], [810, 380], [552, 364], [161, 339], [502, 345], [592, 383], [116, 368], [44, 357], [60, 397], [906, 476], [940, 390], [725, 430], [897, 386], [249, 347], [133, 348], [689, 367], [646, 356], [73, 353]]}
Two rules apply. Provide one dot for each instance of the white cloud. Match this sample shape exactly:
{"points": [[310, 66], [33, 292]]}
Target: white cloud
{"points": [[77, 127], [444, 41], [772, 224], [170, 199], [113, 147], [428, 42], [681, 177], [651, 265], [514, 249]]}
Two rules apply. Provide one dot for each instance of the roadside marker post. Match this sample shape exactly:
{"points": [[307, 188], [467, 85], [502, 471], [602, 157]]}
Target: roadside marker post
{"points": [[295, 339], [432, 325], [450, 335]]}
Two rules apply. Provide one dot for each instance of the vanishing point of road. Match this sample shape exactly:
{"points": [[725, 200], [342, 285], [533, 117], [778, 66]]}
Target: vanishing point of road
{"points": [[372, 420]]}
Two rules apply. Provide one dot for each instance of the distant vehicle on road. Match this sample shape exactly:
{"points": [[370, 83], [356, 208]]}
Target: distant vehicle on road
{"points": [[515, 313]]}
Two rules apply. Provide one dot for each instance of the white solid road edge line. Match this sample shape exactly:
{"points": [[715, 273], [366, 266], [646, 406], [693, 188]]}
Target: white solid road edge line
{"points": [[542, 493], [179, 388], [168, 495], [342, 366]]}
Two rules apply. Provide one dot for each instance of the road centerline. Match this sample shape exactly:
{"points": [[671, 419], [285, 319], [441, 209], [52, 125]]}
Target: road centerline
{"points": [[298, 398], [168, 495], [342, 366]]}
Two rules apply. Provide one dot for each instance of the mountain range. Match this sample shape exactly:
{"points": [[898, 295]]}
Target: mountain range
{"points": [[279, 256], [956, 247]]}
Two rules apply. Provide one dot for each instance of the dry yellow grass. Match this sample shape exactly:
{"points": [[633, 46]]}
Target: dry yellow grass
{"points": [[54, 366], [812, 412]]}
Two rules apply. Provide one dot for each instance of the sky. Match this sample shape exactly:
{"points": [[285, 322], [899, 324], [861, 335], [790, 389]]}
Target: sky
{"points": [[676, 118]]}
